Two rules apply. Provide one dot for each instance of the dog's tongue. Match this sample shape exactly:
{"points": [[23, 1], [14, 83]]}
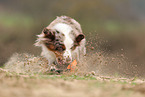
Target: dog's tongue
{"points": [[72, 66]]}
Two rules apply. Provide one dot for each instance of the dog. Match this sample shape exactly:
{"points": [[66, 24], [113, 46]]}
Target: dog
{"points": [[62, 41]]}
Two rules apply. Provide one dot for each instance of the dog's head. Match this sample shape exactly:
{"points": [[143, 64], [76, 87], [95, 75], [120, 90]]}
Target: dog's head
{"points": [[60, 40]]}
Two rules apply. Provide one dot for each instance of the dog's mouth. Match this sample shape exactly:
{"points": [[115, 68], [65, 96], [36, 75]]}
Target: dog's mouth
{"points": [[60, 61], [63, 62], [70, 66]]}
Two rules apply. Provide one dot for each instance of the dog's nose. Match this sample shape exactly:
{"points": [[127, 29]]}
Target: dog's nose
{"points": [[68, 59]]}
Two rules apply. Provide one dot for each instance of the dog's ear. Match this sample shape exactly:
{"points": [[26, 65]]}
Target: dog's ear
{"points": [[80, 37], [49, 33]]}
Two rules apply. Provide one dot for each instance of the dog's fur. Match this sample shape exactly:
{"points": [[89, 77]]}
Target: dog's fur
{"points": [[62, 41]]}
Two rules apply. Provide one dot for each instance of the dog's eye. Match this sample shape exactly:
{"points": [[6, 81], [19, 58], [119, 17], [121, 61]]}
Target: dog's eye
{"points": [[63, 47], [57, 32], [60, 48], [73, 47], [57, 40]]}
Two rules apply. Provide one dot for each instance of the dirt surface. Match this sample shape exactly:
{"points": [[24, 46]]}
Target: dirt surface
{"points": [[25, 75], [20, 85]]}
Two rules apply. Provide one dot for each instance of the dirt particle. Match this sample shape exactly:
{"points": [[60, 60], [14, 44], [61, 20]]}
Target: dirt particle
{"points": [[92, 48]]}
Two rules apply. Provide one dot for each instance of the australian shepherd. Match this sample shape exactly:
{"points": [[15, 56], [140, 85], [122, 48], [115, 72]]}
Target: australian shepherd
{"points": [[62, 41]]}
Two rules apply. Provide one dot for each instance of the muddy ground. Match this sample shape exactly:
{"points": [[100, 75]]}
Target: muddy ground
{"points": [[25, 75]]}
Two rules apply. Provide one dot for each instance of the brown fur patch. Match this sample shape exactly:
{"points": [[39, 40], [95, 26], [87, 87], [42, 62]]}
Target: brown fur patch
{"points": [[50, 34]]}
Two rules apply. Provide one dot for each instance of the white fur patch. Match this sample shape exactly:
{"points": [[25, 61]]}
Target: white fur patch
{"points": [[48, 54], [62, 25], [68, 42]]}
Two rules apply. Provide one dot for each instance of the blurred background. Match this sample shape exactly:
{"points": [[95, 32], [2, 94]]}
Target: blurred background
{"points": [[115, 25]]}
